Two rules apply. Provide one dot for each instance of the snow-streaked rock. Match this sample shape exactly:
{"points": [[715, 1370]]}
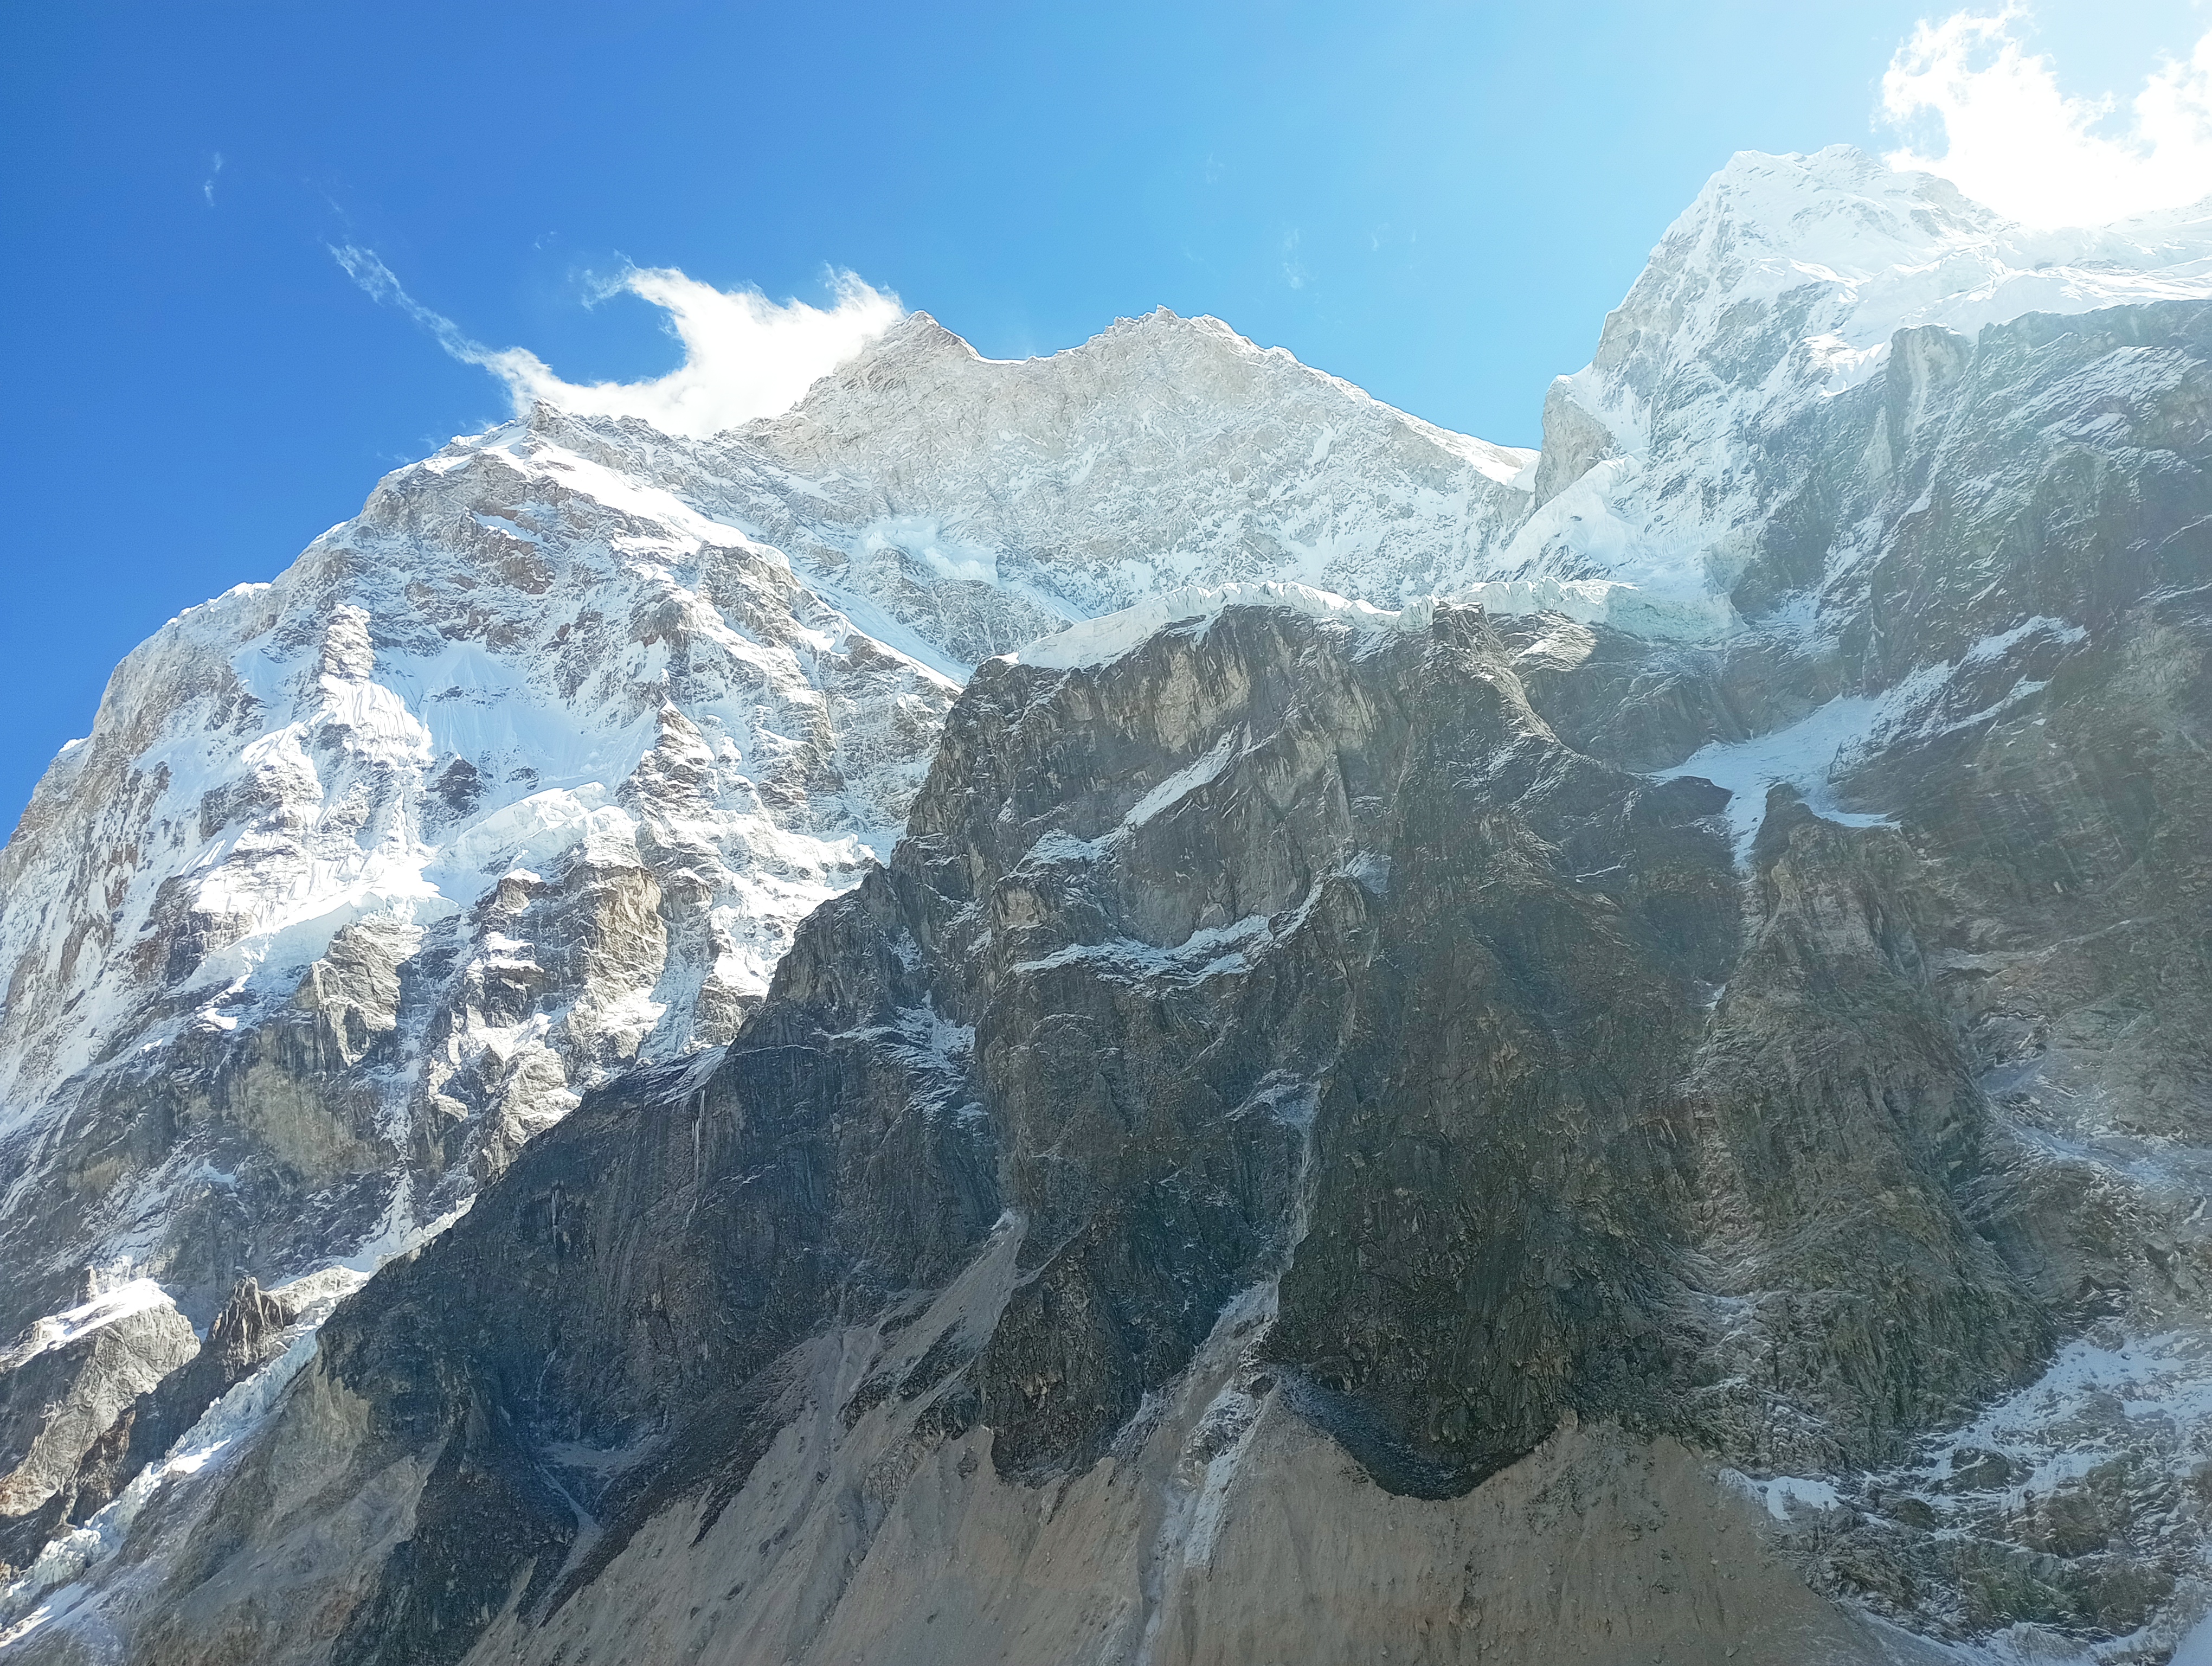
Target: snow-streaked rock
{"points": [[1097, 640], [523, 776], [526, 774]]}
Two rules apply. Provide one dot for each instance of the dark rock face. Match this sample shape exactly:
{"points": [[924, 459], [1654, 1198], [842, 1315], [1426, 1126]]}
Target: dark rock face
{"points": [[1846, 1145], [1270, 958], [1280, 942], [2059, 885], [2062, 461], [1497, 1207]]}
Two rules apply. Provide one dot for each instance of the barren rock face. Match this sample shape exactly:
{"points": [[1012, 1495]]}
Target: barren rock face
{"points": [[66, 1381], [1631, 1083]]}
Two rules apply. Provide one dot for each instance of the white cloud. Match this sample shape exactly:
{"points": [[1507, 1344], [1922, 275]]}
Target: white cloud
{"points": [[744, 356], [2011, 139]]}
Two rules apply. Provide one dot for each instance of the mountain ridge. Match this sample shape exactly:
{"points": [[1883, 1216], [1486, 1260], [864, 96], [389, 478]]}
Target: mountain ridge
{"points": [[550, 753]]}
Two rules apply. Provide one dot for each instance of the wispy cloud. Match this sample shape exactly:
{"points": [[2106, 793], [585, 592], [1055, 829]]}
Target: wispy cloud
{"points": [[1294, 271], [207, 186], [744, 356], [2011, 139], [375, 279]]}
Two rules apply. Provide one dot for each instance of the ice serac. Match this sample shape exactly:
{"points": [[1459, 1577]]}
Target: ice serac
{"points": [[1577, 1058]]}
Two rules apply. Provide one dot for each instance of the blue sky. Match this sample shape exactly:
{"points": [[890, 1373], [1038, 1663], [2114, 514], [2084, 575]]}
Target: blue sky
{"points": [[1439, 201]]}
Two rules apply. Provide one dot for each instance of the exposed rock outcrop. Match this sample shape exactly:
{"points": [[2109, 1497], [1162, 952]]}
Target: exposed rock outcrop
{"points": [[63, 1386], [246, 1336]]}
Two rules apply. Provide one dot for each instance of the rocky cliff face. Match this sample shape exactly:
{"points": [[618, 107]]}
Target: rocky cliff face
{"points": [[1278, 1004], [1658, 1106]]}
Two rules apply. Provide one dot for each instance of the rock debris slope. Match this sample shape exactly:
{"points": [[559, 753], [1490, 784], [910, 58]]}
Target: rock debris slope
{"points": [[1654, 1105]]}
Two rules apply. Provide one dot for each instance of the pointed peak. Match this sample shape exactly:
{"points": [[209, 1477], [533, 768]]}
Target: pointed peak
{"points": [[1835, 203], [910, 347], [917, 330], [1163, 329], [915, 338]]}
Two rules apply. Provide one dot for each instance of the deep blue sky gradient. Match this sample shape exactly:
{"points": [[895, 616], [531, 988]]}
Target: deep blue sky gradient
{"points": [[1439, 201]]}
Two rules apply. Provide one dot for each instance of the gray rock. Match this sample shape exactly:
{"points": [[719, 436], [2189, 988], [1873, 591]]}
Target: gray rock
{"points": [[63, 1386]]}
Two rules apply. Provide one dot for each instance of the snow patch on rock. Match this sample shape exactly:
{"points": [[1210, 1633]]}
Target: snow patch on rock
{"points": [[1098, 642], [133, 1296]]}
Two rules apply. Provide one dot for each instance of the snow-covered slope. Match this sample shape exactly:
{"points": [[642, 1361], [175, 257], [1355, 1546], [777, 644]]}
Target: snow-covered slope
{"points": [[1671, 460], [523, 776], [978, 504]]}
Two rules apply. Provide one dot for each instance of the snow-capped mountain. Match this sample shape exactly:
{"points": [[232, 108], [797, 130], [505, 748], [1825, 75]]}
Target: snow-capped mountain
{"points": [[523, 776], [527, 773], [519, 788]]}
